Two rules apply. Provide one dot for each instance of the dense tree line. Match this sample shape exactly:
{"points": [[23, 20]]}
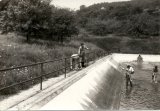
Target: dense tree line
{"points": [[37, 18], [139, 18]]}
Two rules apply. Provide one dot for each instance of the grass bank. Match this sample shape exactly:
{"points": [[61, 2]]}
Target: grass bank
{"points": [[14, 51], [123, 44]]}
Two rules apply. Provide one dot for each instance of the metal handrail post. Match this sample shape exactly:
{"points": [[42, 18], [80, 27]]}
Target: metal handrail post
{"points": [[41, 79], [65, 70]]}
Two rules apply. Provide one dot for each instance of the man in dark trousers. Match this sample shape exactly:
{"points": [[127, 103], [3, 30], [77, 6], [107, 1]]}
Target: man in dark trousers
{"points": [[154, 74], [81, 53], [129, 71]]}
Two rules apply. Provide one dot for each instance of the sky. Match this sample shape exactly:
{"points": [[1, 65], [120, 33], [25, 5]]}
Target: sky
{"points": [[75, 4]]}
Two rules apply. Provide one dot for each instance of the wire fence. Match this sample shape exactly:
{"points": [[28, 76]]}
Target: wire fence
{"points": [[22, 77]]}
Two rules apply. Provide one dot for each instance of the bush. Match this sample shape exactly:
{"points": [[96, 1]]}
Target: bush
{"points": [[102, 28], [97, 27], [143, 24], [107, 44]]}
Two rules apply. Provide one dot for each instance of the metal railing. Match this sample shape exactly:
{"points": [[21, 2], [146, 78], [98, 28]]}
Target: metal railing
{"points": [[37, 72]]}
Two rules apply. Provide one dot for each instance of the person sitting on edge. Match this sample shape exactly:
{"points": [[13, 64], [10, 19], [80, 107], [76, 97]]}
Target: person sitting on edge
{"points": [[75, 62]]}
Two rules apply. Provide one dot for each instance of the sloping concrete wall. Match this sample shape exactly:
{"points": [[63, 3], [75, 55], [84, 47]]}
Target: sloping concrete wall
{"points": [[99, 89]]}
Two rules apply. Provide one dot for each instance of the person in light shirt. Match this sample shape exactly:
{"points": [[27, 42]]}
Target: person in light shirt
{"points": [[129, 72]]}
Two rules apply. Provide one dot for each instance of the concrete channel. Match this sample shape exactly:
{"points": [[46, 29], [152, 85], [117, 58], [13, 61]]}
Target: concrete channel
{"points": [[101, 86], [99, 89]]}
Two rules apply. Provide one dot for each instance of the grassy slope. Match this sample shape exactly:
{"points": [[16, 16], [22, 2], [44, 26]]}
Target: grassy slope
{"points": [[125, 44], [14, 51]]}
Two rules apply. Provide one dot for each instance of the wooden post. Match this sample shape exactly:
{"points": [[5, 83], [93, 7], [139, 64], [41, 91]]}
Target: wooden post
{"points": [[94, 56]]}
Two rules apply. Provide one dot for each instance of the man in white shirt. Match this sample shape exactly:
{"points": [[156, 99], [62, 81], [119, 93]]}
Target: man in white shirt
{"points": [[129, 71]]}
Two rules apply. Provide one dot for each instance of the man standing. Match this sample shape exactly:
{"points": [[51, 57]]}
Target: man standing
{"points": [[129, 71], [81, 53], [154, 74], [139, 59]]}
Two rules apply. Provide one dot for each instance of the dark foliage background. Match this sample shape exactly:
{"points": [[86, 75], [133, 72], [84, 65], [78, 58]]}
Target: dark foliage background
{"points": [[139, 18], [37, 18]]}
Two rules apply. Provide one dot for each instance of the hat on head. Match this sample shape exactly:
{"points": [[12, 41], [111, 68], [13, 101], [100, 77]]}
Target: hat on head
{"points": [[82, 43], [128, 66]]}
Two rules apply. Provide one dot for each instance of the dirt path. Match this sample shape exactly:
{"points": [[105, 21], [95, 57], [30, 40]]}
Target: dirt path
{"points": [[144, 95]]}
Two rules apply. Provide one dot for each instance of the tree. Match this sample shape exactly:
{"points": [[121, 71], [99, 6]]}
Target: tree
{"points": [[143, 24], [37, 18], [82, 7], [4, 4], [63, 24], [97, 27], [26, 16], [135, 17]]}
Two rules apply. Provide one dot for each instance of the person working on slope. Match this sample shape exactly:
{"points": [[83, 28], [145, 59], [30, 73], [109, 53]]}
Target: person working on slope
{"points": [[129, 71], [154, 74]]}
